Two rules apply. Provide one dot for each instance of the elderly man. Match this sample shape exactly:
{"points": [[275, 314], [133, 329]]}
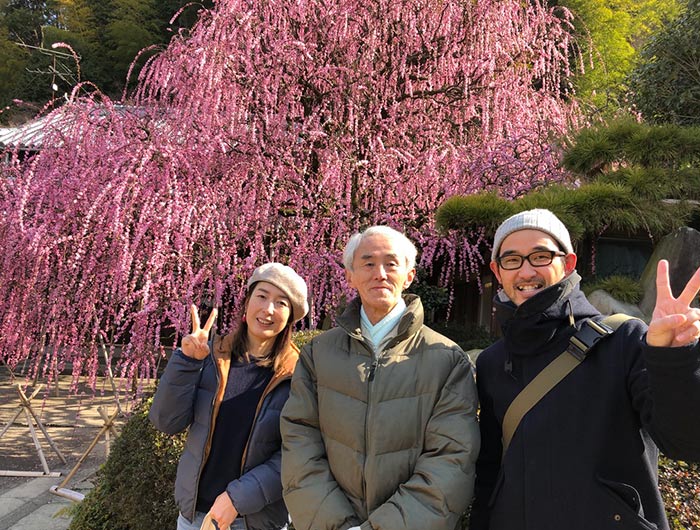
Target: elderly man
{"points": [[380, 428], [583, 454]]}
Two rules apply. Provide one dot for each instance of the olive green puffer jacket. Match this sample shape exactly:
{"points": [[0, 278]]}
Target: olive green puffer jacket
{"points": [[388, 444]]}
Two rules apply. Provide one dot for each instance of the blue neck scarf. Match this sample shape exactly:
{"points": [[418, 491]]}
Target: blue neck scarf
{"points": [[376, 333]]}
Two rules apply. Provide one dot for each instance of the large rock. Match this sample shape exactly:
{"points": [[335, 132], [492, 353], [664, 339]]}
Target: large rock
{"points": [[682, 250], [606, 304]]}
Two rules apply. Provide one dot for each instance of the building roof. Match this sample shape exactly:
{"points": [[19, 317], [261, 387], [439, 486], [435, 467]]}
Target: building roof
{"points": [[30, 135]]}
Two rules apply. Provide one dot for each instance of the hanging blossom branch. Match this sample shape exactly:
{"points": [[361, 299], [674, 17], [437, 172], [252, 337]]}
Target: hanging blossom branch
{"points": [[272, 131]]}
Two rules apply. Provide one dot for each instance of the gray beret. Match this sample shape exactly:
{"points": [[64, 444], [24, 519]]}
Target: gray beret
{"points": [[288, 281], [538, 219]]}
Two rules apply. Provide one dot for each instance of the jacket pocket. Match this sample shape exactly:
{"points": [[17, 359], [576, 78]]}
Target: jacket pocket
{"points": [[626, 507]]}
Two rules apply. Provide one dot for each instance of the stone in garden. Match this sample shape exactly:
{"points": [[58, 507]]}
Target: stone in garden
{"points": [[606, 304], [682, 250]]}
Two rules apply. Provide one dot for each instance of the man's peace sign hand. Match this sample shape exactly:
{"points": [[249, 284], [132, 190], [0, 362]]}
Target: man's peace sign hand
{"points": [[674, 322], [195, 344]]}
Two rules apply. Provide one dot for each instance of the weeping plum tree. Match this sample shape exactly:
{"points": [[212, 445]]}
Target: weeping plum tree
{"points": [[271, 131]]}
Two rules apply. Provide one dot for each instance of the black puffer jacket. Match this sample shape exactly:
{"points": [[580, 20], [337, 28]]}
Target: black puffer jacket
{"points": [[188, 396], [585, 457]]}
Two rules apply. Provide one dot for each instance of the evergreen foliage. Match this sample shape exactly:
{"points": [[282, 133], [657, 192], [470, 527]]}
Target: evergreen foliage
{"points": [[665, 84], [626, 173], [14, 61], [650, 183], [629, 143], [134, 488], [106, 36], [610, 35], [656, 159], [471, 212], [434, 298], [20, 23], [621, 288]]}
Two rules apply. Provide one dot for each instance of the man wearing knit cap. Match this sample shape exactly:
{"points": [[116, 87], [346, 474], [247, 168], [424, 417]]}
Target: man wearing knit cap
{"points": [[583, 453], [380, 428]]}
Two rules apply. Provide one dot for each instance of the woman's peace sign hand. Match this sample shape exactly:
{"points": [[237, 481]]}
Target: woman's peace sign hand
{"points": [[195, 344]]}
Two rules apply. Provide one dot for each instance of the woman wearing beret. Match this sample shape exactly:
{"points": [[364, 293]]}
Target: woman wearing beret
{"points": [[229, 393]]}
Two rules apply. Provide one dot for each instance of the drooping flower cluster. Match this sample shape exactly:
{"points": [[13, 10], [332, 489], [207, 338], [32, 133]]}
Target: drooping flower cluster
{"points": [[272, 131]]}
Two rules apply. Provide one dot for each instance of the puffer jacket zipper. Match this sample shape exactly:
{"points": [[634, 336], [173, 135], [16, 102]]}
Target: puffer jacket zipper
{"points": [[370, 381], [205, 453]]}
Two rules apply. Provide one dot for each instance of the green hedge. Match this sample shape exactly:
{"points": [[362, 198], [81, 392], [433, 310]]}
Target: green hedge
{"points": [[623, 172], [134, 488]]}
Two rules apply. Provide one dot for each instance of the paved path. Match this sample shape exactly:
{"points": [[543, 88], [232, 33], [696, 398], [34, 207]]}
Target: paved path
{"points": [[72, 421], [27, 504]]}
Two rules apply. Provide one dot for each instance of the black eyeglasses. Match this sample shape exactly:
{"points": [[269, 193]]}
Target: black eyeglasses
{"points": [[538, 258]]}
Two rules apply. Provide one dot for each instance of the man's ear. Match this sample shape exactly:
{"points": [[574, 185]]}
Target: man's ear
{"points": [[348, 278], [570, 263], [496, 272], [409, 278]]}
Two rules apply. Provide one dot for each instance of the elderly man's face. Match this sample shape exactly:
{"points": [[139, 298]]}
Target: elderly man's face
{"points": [[528, 280], [380, 274]]}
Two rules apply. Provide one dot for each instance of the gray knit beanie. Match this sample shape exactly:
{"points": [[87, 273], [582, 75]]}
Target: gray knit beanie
{"points": [[538, 219], [288, 281]]}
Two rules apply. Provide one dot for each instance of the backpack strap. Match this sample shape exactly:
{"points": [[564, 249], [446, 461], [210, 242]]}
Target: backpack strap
{"points": [[580, 343]]}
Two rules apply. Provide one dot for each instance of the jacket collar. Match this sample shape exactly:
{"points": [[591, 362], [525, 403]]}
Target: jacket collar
{"points": [[410, 322], [287, 362], [544, 321], [221, 351]]}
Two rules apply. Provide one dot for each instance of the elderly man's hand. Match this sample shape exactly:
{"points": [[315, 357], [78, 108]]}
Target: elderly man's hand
{"points": [[674, 322]]}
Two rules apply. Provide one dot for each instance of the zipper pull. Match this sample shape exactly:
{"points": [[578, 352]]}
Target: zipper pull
{"points": [[373, 369]]}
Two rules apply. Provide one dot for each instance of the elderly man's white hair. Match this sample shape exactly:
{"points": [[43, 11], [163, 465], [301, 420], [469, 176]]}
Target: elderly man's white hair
{"points": [[405, 245]]}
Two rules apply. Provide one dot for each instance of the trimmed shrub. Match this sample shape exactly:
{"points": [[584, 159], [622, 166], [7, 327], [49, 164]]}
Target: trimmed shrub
{"points": [[621, 288], [134, 488], [470, 212]]}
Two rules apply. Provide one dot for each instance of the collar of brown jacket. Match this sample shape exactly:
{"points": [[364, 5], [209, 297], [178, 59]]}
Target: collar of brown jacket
{"points": [[222, 350]]}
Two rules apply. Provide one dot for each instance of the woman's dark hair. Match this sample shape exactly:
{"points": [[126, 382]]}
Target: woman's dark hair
{"points": [[240, 338]]}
